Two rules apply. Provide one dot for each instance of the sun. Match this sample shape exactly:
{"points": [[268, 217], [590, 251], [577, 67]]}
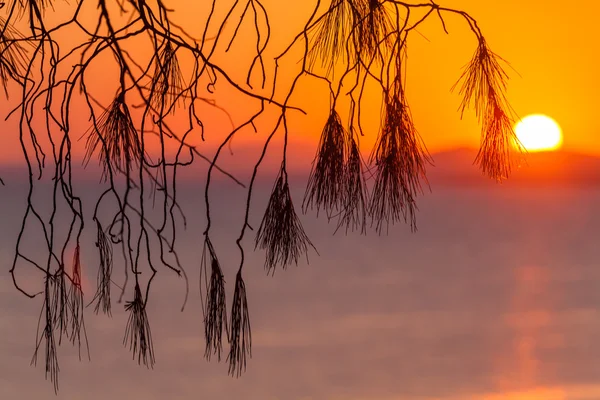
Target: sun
{"points": [[539, 132]]}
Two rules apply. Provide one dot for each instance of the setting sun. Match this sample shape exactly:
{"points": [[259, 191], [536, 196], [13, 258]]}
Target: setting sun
{"points": [[539, 133]]}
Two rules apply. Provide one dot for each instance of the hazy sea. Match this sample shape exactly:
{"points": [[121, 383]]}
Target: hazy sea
{"points": [[495, 297]]}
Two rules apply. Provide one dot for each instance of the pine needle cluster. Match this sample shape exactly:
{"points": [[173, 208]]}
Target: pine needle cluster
{"points": [[350, 30], [167, 82], [76, 302], [62, 313], [215, 314], [137, 331], [483, 87], [13, 55], [329, 36], [399, 158], [372, 27], [240, 335], [50, 349], [281, 233], [115, 139], [336, 182], [103, 280]]}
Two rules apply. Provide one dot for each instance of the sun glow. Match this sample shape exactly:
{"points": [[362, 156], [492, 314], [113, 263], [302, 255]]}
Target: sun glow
{"points": [[539, 133]]}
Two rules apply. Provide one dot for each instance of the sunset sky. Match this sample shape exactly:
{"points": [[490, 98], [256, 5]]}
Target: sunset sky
{"points": [[551, 49], [553, 60], [554, 54]]}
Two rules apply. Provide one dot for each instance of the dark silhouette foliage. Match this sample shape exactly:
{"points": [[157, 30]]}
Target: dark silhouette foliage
{"points": [[280, 233], [240, 335], [138, 336], [104, 281], [167, 82], [215, 314], [327, 181]]}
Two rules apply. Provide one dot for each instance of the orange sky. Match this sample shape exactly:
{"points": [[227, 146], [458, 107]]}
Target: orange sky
{"points": [[552, 47]]}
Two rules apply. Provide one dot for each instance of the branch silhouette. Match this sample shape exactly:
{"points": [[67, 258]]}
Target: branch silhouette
{"points": [[165, 93]]}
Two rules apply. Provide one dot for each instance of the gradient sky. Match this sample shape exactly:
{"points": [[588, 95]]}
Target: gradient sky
{"points": [[551, 47], [553, 67]]}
